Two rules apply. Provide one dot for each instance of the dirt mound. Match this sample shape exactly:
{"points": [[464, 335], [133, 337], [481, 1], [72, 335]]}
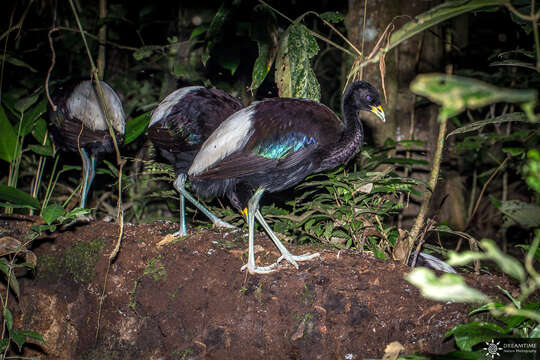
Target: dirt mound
{"points": [[189, 300]]}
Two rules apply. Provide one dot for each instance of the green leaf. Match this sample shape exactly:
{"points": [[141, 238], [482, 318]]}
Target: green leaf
{"points": [[535, 333], [44, 150], [18, 197], [230, 63], [17, 62], [507, 263], [430, 18], [528, 248], [9, 318], [218, 21], [487, 307], [214, 32], [143, 52], [513, 151], [449, 287], [52, 213], [262, 66], [477, 125], [23, 104], [532, 169], [198, 31], [5, 269], [18, 337], [455, 93], [31, 116], [3, 344], [40, 130], [33, 335], [332, 16], [8, 144], [525, 214], [468, 335], [135, 127], [294, 75]]}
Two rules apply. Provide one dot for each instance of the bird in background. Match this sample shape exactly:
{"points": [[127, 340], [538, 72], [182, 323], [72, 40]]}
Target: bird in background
{"points": [[272, 145], [79, 124], [178, 127]]}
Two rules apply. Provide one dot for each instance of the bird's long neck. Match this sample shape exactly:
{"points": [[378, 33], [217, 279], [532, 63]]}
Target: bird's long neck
{"points": [[351, 139]]}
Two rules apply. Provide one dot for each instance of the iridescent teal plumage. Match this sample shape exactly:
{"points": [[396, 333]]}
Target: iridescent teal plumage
{"points": [[283, 146]]}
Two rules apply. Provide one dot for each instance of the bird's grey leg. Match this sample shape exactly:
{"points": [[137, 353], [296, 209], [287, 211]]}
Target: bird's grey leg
{"points": [[285, 254], [89, 172], [253, 206], [183, 230], [179, 185]]}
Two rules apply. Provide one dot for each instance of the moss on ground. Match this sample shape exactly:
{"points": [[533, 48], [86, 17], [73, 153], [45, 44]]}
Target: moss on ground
{"points": [[78, 261]]}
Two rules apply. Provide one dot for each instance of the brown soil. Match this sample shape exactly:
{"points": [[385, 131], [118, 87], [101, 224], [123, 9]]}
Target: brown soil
{"points": [[189, 300]]}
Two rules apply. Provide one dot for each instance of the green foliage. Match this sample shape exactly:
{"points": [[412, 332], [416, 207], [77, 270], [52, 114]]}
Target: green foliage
{"points": [[136, 127], [346, 207], [294, 75], [532, 170], [430, 18], [449, 287], [455, 94], [12, 197], [9, 138], [518, 318]]}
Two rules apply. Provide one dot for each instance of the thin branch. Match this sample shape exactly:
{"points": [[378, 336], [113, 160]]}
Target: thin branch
{"points": [[486, 185], [533, 17], [17, 26], [320, 37]]}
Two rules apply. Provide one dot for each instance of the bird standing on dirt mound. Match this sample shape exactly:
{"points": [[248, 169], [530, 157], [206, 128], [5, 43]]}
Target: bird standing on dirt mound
{"points": [[274, 144], [79, 124], [179, 126]]}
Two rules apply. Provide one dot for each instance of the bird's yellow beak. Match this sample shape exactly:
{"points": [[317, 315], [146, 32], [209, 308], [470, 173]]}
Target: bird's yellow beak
{"points": [[377, 110]]}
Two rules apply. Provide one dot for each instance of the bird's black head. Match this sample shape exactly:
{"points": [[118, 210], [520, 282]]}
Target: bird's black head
{"points": [[361, 95]]}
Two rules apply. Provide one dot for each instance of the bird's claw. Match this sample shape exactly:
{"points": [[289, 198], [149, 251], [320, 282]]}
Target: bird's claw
{"points": [[223, 224], [294, 258], [253, 269]]}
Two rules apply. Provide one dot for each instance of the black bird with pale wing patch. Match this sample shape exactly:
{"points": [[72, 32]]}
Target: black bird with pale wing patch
{"points": [[273, 145], [179, 126], [78, 124]]}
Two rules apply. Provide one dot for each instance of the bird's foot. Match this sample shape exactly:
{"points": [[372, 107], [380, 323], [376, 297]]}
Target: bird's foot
{"points": [[253, 269], [294, 258], [223, 224], [169, 238]]}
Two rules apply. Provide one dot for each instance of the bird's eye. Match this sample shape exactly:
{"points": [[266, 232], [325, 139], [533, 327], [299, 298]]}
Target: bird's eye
{"points": [[368, 97]]}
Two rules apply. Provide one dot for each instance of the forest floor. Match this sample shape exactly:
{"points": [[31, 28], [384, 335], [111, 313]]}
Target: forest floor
{"points": [[189, 299]]}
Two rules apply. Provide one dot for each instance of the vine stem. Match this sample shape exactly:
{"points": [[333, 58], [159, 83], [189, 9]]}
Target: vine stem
{"points": [[419, 221]]}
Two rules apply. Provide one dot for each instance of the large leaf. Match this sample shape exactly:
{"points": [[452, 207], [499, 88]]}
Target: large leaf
{"points": [[265, 33], [477, 125], [525, 214], [52, 213], [456, 93], [17, 197], [215, 31], [449, 287], [507, 263], [136, 126], [430, 18], [9, 138], [468, 335], [294, 75], [17, 62], [31, 116]]}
